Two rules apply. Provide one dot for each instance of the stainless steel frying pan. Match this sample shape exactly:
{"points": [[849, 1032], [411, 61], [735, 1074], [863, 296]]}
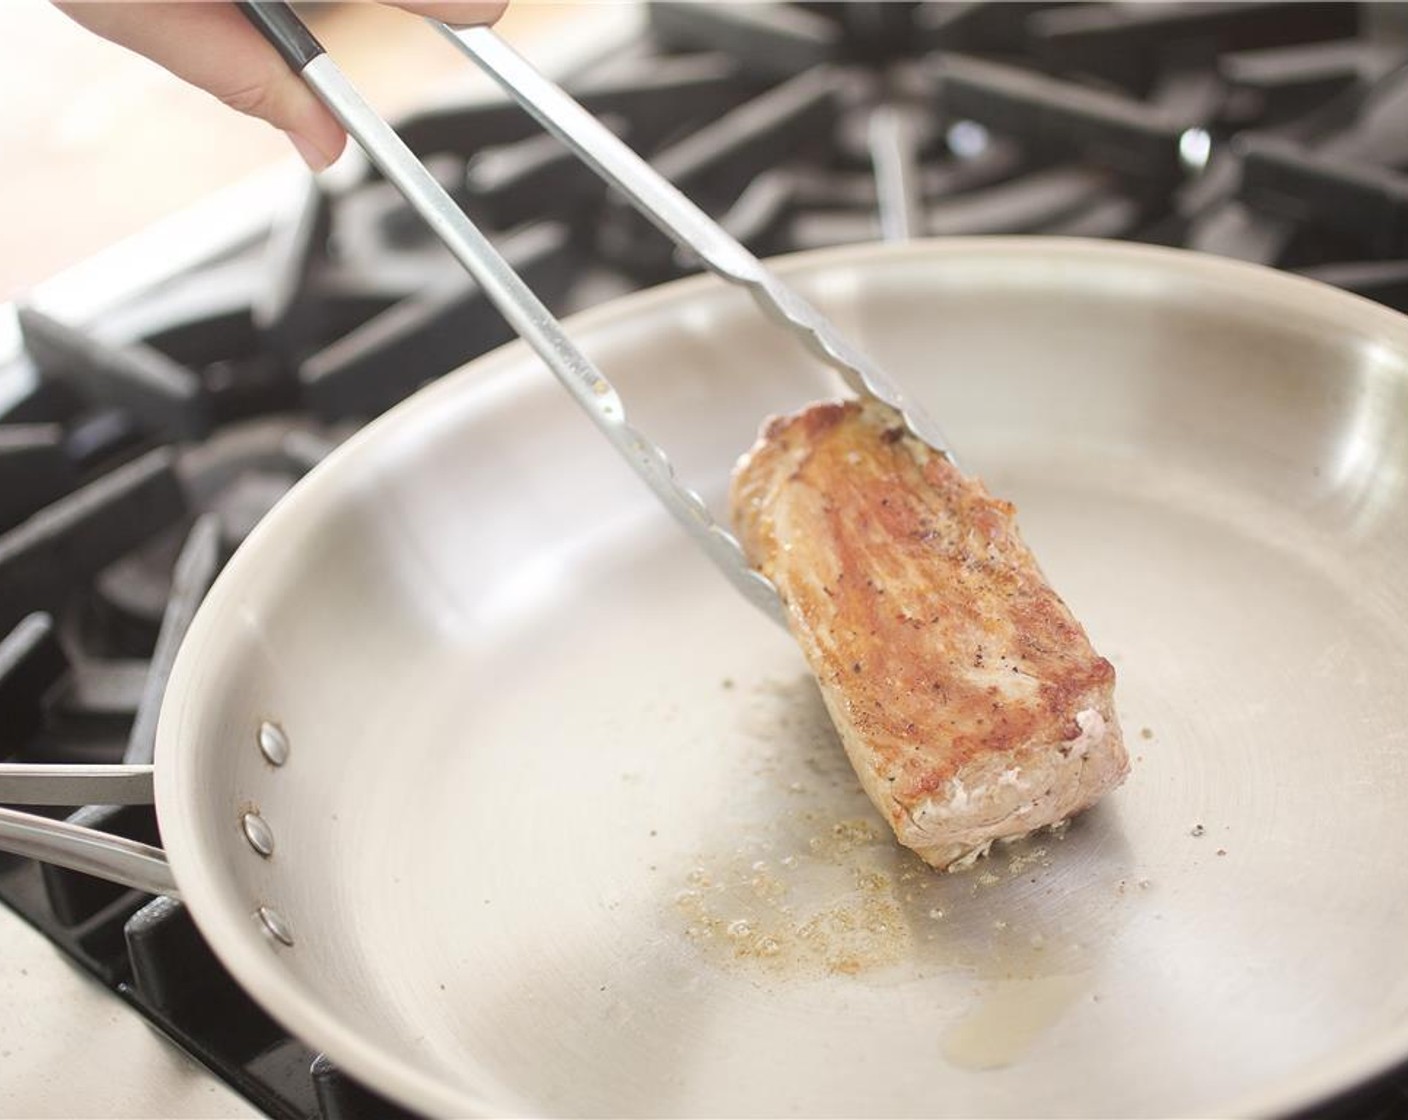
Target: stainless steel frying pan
{"points": [[480, 778]]}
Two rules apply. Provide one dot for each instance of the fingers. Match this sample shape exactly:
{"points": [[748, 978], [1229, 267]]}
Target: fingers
{"points": [[457, 13], [212, 46]]}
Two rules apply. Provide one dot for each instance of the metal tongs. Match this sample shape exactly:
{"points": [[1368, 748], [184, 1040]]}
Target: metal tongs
{"points": [[683, 222]]}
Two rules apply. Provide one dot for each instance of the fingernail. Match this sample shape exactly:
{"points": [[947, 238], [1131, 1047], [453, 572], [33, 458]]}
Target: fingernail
{"points": [[314, 158]]}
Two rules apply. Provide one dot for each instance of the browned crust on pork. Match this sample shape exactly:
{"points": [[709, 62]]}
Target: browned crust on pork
{"points": [[944, 656]]}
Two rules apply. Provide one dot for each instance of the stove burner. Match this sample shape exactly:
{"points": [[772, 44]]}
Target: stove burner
{"points": [[154, 438]]}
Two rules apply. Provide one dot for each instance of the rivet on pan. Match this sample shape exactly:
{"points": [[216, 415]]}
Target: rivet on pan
{"points": [[274, 925], [258, 833], [273, 743]]}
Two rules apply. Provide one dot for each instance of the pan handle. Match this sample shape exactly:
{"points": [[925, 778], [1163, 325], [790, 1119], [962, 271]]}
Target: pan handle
{"points": [[68, 845]]}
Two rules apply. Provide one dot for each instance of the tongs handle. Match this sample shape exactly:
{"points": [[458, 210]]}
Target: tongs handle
{"points": [[533, 322], [681, 220]]}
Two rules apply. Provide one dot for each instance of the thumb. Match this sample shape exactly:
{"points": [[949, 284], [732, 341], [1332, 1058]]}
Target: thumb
{"points": [[457, 13], [212, 46]]}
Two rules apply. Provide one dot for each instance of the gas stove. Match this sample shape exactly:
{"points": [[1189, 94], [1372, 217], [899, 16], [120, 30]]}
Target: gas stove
{"points": [[148, 422]]}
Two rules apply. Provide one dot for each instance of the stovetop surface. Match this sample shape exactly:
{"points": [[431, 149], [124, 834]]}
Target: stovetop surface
{"points": [[140, 444]]}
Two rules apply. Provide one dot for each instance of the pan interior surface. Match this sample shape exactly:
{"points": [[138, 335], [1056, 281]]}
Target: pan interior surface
{"points": [[564, 828]]}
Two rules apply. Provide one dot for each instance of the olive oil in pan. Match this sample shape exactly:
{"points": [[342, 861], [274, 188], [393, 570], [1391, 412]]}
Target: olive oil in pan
{"points": [[817, 890]]}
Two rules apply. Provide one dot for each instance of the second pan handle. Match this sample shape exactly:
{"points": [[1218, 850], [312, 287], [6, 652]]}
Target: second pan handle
{"points": [[69, 845]]}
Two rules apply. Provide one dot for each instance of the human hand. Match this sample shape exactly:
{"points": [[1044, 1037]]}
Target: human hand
{"points": [[212, 46]]}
